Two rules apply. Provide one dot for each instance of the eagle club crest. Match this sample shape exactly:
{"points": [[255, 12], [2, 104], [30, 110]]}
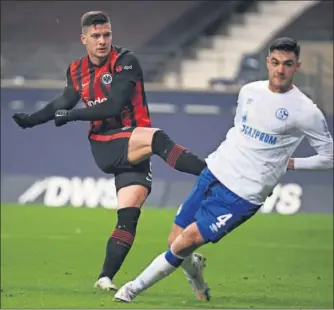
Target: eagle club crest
{"points": [[106, 78]]}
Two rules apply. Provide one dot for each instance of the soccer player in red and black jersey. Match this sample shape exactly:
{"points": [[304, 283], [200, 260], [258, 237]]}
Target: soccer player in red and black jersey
{"points": [[109, 80]]}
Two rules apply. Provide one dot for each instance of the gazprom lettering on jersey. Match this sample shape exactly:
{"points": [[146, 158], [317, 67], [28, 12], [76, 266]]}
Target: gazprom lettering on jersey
{"points": [[256, 134]]}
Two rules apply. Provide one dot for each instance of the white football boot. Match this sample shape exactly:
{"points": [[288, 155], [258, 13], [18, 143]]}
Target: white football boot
{"points": [[105, 284], [196, 280], [125, 293]]}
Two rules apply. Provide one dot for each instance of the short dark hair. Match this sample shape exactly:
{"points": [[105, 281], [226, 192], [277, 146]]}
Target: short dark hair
{"points": [[285, 44], [94, 18]]}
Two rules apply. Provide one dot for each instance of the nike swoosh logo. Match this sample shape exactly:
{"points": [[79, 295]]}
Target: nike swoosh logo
{"points": [[83, 85]]}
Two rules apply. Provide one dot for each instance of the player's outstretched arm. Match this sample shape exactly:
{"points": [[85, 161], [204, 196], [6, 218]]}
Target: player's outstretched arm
{"points": [[120, 94], [67, 100], [313, 125]]}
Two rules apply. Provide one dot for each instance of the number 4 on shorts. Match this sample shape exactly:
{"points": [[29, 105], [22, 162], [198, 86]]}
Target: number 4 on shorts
{"points": [[221, 221]]}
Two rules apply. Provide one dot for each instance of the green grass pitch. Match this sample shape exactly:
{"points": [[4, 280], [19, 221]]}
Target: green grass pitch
{"points": [[50, 258]]}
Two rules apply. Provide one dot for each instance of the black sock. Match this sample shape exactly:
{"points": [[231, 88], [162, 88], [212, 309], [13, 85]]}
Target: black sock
{"points": [[120, 241], [176, 155]]}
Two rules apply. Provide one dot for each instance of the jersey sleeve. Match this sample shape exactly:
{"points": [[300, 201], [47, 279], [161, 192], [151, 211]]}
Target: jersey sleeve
{"points": [[238, 112], [69, 80], [67, 100], [70, 91], [314, 126], [128, 68]]}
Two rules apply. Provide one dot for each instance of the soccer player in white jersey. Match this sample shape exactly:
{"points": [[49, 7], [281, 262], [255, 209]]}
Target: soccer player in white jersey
{"points": [[272, 118]]}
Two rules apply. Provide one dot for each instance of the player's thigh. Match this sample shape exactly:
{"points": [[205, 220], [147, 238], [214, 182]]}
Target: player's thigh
{"points": [[140, 144], [186, 212], [133, 184], [110, 149], [216, 219]]}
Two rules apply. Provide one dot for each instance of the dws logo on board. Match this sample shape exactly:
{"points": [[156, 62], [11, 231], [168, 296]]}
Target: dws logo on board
{"points": [[60, 191], [90, 192]]}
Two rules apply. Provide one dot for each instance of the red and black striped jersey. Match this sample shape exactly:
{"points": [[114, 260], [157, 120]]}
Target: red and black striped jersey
{"points": [[94, 84]]}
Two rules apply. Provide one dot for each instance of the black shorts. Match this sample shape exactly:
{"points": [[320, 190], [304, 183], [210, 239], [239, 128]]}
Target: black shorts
{"points": [[110, 151]]}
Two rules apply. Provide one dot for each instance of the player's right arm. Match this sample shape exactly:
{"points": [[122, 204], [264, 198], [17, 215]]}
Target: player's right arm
{"points": [[66, 101]]}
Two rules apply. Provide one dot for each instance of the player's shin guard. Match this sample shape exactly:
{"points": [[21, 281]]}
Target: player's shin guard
{"points": [[120, 241], [176, 155]]}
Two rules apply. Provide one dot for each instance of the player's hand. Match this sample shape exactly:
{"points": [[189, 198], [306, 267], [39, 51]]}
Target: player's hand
{"points": [[23, 120], [61, 117]]}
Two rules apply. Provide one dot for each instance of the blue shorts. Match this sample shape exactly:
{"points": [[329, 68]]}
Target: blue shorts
{"points": [[215, 209]]}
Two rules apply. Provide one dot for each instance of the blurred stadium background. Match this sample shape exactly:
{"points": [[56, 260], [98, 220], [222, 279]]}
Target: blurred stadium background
{"points": [[195, 54]]}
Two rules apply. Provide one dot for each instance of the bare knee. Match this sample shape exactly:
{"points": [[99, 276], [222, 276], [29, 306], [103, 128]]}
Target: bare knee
{"points": [[174, 233], [142, 136], [192, 236], [132, 196], [140, 144]]}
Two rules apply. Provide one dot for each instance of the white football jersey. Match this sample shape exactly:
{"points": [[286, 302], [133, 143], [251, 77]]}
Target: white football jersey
{"points": [[268, 127]]}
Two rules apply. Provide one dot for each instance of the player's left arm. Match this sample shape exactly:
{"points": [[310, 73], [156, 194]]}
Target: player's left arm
{"points": [[120, 94], [313, 125]]}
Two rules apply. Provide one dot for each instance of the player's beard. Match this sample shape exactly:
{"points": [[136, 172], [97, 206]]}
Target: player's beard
{"points": [[286, 86], [281, 85]]}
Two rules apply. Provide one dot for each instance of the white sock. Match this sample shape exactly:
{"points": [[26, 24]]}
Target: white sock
{"points": [[156, 271], [188, 265]]}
